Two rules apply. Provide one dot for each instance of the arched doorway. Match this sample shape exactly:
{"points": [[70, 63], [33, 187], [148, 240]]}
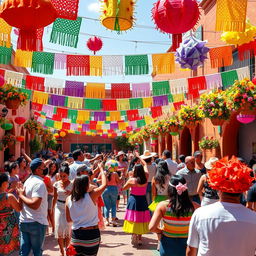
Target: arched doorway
{"points": [[10, 150], [230, 137], [197, 137], [22, 133], [168, 142], [185, 142], [27, 148], [247, 141]]}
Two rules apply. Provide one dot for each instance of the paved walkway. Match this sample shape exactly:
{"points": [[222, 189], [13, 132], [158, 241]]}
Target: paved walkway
{"points": [[114, 242]]}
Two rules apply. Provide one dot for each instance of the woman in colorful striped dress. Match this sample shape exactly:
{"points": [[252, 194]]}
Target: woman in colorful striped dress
{"points": [[137, 215], [176, 213]]}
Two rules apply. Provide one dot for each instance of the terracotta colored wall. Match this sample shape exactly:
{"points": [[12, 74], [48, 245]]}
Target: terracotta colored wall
{"points": [[83, 139]]}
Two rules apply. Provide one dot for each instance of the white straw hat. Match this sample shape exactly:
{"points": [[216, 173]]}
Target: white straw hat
{"points": [[147, 154], [210, 162]]}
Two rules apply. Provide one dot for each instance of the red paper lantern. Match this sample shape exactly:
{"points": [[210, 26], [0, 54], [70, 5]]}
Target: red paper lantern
{"points": [[19, 120], [94, 44], [28, 16], [175, 17], [20, 138]]}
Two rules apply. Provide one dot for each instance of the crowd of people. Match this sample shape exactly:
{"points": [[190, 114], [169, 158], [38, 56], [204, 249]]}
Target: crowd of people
{"points": [[194, 208]]}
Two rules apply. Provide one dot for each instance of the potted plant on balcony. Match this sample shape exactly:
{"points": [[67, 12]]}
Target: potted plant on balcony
{"points": [[8, 140], [241, 97], [12, 97], [208, 145], [174, 124], [214, 106], [190, 116]]}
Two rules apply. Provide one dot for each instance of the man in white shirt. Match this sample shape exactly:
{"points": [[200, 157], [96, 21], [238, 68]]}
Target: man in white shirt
{"points": [[78, 160], [226, 227], [33, 217], [172, 166]]}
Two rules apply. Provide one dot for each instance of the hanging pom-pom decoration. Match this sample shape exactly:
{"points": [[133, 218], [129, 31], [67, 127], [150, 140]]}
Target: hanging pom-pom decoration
{"points": [[192, 53], [175, 17], [94, 44]]}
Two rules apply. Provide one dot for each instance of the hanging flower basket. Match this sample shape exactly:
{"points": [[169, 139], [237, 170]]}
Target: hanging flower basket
{"points": [[217, 121], [32, 134], [12, 104]]}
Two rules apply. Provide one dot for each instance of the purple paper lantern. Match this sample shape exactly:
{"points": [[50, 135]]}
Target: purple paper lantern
{"points": [[245, 119], [192, 53]]}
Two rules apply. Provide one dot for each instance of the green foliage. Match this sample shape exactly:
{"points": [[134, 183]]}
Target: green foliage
{"points": [[52, 144], [35, 145], [208, 143], [123, 144]]}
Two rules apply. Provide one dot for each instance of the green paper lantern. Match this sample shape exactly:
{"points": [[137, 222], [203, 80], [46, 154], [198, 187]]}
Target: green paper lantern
{"points": [[174, 133], [7, 126]]}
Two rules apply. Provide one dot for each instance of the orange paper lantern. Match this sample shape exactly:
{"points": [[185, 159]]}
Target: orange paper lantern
{"points": [[62, 134], [28, 16]]}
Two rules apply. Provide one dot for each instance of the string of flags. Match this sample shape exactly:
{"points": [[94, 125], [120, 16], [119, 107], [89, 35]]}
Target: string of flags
{"points": [[91, 65]]}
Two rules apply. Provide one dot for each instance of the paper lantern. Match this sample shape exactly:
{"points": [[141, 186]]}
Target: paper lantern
{"points": [[62, 133], [28, 16], [245, 119], [239, 38], [117, 14], [20, 120], [7, 126], [94, 44], [192, 53], [20, 138], [2, 81], [175, 17]]}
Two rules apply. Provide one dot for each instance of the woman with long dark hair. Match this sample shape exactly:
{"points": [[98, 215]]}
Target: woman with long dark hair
{"points": [[160, 185], [82, 210], [62, 189], [176, 213], [137, 215]]}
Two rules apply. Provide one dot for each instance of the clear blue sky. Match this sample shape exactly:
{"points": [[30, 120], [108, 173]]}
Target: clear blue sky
{"points": [[113, 47]]}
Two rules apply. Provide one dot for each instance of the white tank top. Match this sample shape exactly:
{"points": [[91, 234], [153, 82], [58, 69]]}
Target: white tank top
{"points": [[84, 213], [163, 191]]}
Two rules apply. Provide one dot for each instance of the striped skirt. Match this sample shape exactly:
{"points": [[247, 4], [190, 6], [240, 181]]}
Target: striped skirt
{"points": [[86, 242]]}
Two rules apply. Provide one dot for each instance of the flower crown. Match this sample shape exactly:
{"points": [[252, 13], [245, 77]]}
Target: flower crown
{"points": [[230, 176], [180, 187]]}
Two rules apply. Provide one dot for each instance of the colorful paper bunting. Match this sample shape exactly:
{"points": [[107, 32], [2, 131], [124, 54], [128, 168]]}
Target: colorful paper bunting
{"points": [[136, 65], [67, 9], [43, 62], [163, 63], [78, 65], [66, 32], [221, 56]]}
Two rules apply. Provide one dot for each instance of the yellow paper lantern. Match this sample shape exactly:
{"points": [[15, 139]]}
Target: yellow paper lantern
{"points": [[117, 14], [239, 38]]}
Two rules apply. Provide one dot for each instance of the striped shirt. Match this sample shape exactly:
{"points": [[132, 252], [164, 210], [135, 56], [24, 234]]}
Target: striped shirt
{"points": [[176, 227]]}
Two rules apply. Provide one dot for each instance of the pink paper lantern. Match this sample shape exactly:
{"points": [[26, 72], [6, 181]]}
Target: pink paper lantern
{"points": [[94, 44], [2, 81], [175, 17], [245, 119]]}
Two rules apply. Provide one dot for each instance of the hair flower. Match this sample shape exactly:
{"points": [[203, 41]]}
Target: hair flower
{"points": [[180, 188]]}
